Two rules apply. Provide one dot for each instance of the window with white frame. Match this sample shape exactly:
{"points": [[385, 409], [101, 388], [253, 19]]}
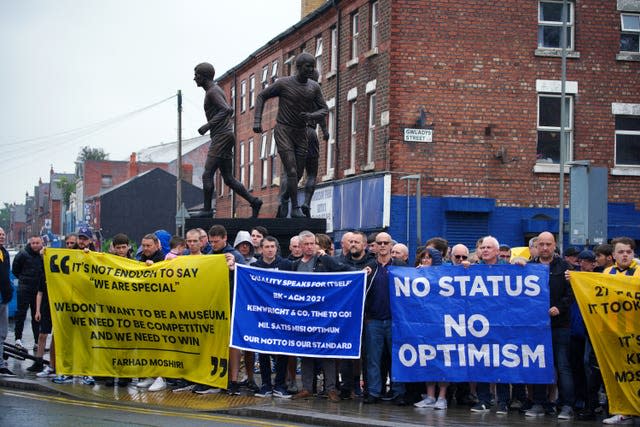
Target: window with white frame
{"points": [[251, 165], [288, 63], [374, 25], [273, 154], [319, 57], [334, 49], [274, 71], [264, 78], [627, 140], [371, 134], [630, 35], [331, 144], [550, 24], [242, 163], [252, 90], [264, 161], [243, 96], [233, 98], [353, 116], [548, 147], [355, 31]]}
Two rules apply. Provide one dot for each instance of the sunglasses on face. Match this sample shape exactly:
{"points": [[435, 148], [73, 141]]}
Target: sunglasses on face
{"points": [[383, 243], [460, 257]]}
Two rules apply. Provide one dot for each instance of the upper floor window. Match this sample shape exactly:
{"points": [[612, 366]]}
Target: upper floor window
{"points": [[355, 31], [264, 160], [273, 153], [251, 165], [242, 163], [371, 135], [331, 128], [106, 181], [374, 24], [264, 78], [233, 98], [243, 96], [319, 58], [288, 63], [550, 25], [627, 141], [630, 36], [274, 71], [549, 108], [334, 49], [252, 90]]}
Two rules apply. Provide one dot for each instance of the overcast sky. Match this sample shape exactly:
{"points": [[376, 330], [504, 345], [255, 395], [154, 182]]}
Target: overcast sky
{"points": [[72, 70]]}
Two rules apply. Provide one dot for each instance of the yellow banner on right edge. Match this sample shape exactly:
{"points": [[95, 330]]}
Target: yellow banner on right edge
{"points": [[610, 306]]}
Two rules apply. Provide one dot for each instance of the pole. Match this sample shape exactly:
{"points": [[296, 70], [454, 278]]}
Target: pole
{"points": [[419, 209], [563, 118], [180, 222]]}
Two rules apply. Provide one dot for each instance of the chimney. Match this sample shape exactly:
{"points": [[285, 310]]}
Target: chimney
{"points": [[133, 166], [309, 6]]}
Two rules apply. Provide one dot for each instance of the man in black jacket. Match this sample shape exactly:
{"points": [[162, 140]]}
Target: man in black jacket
{"points": [[6, 292], [28, 267]]}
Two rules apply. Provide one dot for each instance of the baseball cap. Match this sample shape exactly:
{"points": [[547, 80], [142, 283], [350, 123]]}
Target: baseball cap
{"points": [[588, 255], [85, 232], [571, 251]]}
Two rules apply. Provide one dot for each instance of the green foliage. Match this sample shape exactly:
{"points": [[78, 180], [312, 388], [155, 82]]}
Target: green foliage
{"points": [[68, 188], [89, 153], [5, 217]]}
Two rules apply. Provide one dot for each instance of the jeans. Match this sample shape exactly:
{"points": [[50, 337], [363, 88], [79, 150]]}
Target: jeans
{"points": [[281, 369], [308, 373], [484, 393], [561, 339], [377, 336], [4, 329]]}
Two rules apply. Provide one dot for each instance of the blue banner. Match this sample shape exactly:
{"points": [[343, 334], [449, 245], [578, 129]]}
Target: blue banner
{"points": [[484, 323], [299, 314]]}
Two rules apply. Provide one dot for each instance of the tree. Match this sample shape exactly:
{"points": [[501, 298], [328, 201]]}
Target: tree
{"points": [[68, 188], [89, 153], [5, 217]]}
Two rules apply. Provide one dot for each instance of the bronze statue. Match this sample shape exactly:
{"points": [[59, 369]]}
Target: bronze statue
{"points": [[310, 167], [301, 102], [223, 140]]}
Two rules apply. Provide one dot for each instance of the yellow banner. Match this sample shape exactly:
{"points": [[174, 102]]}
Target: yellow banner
{"points": [[121, 318], [610, 306]]}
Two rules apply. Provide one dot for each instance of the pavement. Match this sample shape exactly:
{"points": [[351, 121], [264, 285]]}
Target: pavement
{"points": [[315, 411]]}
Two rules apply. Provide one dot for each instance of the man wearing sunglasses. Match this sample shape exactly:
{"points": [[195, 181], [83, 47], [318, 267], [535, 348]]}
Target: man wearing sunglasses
{"points": [[459, 253]]}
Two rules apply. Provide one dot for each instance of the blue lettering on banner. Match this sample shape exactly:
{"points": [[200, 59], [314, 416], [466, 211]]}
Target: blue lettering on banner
{"points": [[299, 314], [484, 323]]}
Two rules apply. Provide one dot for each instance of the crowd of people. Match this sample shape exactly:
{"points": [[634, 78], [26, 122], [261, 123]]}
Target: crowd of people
{"points": [[579, 385]]}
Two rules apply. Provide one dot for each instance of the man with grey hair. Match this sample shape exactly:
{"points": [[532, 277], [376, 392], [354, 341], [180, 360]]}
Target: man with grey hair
{"points": [[459, 254], [533, 248]]}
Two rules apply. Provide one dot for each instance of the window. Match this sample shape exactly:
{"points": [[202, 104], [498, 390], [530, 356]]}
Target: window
{"points": [[548, 149], [331, 128], [319, 57], [251, 166], [252, 90], [265, 76], [371, 135], [242, 163], [630, 36], [232, 96], [264, 160], [273, 153], [353, 116], [355, 31], [106, 181], [374, 25], [550, 25], [627, 141], [288, 63], [334, 49], [243, 96], [274, 71]]}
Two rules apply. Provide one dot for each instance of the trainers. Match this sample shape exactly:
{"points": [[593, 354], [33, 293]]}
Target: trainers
{"points": [[427, 402], [183, 388], [159, 384], [205, 389], [6, 372], [145, 383], [88, 380], [441, 403], [36, 367], [480, 408], [62, 379], [566, 413], [47, 372], [234, 389], [251, 385], [282, 393], [618, 419], [536, 410], [265, 391], [389, 396], [502, 409], [18, 344]]}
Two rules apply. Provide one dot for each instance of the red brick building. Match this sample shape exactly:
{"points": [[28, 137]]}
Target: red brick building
{"points": [[481, 83]]}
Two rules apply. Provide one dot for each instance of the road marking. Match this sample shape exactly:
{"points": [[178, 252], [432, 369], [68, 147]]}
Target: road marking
{"points": [[76, 402]]}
